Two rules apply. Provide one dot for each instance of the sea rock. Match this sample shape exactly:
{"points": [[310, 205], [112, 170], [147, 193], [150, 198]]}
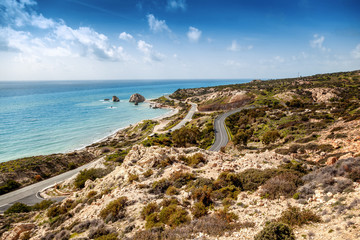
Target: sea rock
{"points": [[137, 98], [115, 99]]}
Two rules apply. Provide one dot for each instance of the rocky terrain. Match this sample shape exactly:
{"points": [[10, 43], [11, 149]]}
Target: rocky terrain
{"points": [[291, 171]]}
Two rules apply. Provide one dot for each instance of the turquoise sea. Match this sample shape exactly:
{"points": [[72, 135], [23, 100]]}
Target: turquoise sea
{"points": [[38, 118]]}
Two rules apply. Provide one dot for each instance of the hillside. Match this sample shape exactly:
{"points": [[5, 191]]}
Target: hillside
{"points": [[290, 171]]}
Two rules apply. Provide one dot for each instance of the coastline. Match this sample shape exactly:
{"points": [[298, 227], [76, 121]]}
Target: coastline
{"points": [[172, 112]]}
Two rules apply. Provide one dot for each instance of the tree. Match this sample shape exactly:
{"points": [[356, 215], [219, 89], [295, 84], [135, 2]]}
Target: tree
{"points": [[242, 137], [184, 136], [270, 137]]}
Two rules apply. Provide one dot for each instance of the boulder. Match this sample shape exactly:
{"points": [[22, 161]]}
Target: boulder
{"points": [[115, 99], [137, 98], [15, 233]]}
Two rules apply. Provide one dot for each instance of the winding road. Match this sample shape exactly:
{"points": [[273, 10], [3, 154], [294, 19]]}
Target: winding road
{"points": [[221, 135], [187, 118], [30, 194]]}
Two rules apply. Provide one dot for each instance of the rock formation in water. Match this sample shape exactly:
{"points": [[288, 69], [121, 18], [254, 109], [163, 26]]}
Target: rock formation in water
{"points": [[115, 99], [137, 98]]}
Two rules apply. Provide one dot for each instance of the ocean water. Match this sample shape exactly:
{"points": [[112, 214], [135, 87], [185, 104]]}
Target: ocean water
{"points": [[38, 118]]}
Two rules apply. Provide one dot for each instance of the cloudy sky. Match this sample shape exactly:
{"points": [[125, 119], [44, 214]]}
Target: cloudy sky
{"points": [[176, 39]]}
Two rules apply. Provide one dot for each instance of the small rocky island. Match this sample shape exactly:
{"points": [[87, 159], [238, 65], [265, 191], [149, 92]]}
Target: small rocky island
{"points": [[115, 99], [136, 98]]}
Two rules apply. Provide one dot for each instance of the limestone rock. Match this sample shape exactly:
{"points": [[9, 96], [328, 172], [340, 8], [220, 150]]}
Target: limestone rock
{"points": [[17, 230], [115, 99], [137, 98]]}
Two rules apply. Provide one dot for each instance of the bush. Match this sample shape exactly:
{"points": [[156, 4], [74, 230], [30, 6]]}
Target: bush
{"points": [[293, 216], [118, 157], [252, 178], [18, 208], [172, 191], [9, 186], [180, 178], [111, 236], [202, 195], [91, 194], [148, 173], [160, 186], [44, 204], [276, 231], [88, 174], [149, 209], [114, 210], [281, 185], [199, 210], [193, 160], [133, 177], [60, 209], [270, 137]]}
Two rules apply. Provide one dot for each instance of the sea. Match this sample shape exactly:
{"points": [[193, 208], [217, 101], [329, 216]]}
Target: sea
{"points": [[45, 117]]}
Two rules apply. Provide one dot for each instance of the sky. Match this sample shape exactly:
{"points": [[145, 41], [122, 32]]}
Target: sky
{"points": [[177, 39]]}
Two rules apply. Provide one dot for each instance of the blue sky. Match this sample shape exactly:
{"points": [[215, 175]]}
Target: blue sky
{"points": [[176, 39]]}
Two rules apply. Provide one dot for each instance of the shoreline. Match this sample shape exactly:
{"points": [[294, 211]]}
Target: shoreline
{"points": [[108, 137], [172, 112]]}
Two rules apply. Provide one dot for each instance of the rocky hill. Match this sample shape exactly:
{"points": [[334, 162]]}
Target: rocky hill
{"points": [[291, 171]]}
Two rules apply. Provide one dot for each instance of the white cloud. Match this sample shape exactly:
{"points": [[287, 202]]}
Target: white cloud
{"points": [[176, 4], [194, 34], [150, 55], [59, 41], [234, 47], [19, 14], [126, 36], [356, 52], [157, 25], [317, 42]]}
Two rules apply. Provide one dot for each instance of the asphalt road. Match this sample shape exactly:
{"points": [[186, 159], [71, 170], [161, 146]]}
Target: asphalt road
{"points": [[221, 136], [29, 195], [187, 118]]}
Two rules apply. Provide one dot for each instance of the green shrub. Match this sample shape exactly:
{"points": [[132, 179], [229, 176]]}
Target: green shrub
{"points": [[270, 137], [202, 195], [180, 216], [44, 204], [18, 208], [252, 178], [148, 173], [88, 174], [193, 160], [133, 177], [226, 215], [149, 209], [284, 184], [119, 156], [115, 209], [293, 216], [199, 210], [226, 192], [160, 186], [180, 178], [9, 186], [111, 236], [275, 231], [61, 208], [172, 191], [153, 221]]}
